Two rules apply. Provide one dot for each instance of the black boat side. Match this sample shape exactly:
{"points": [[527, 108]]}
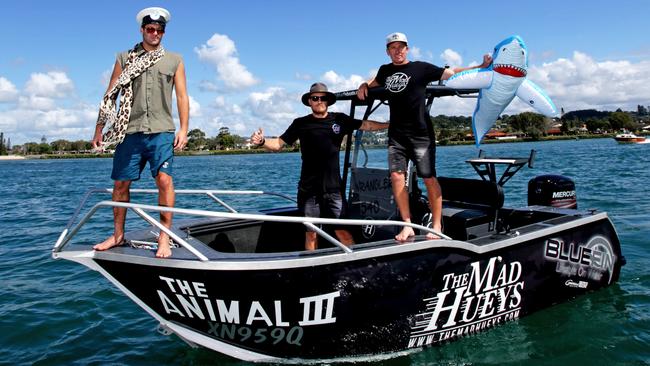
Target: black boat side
{"points": [[381, 299], [241, 284]]}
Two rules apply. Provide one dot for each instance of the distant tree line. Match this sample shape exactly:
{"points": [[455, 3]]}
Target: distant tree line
{"points": [[534, 126], [197, 140], [605, 122], [57, 146], [448, 128]]}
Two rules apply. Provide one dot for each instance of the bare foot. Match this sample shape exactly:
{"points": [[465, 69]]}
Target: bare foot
{"points": [[109, 243], [405, 234], [164, 249], [432, 236]]}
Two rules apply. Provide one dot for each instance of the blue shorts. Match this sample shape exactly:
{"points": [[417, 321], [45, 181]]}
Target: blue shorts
{"points": [[137, 149]]}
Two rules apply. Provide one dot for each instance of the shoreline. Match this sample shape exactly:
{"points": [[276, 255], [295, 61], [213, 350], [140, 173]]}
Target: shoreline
{"points": [[262, 151], [12, 157]]}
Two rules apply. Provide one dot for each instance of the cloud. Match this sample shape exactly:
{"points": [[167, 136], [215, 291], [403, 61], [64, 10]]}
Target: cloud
{"points": [[575, 83], [239, 128], [337, 83], [418, 54], [273, 109], [8, 91], [451, 58], [35, 102], [208, 86], [221, 103], [54, 84], [46, 105], [29, 125], [195, 108], [221, 112], [415, 52], [301, 76], [275, 104], [65, 118], [220, 52], [105, 78], [582, 83]]}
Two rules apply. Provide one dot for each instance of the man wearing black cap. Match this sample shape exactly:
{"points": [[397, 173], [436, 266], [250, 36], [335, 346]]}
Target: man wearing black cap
{"points": [[143, 128], [320, 134], [411, 135]]}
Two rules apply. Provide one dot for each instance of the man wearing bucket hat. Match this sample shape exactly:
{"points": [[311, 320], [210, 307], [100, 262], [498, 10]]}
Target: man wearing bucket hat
{"points": [[321, 134], [411, 135], [143, 128]]}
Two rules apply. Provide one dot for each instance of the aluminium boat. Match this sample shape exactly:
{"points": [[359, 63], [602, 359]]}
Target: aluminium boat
{"points": [[240, 283]]}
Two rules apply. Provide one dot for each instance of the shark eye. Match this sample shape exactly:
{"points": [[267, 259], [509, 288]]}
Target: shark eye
{"points": [[522, 52], [504, 49]]}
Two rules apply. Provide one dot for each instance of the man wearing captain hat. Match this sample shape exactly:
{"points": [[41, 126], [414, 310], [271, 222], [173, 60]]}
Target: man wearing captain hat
{"points": [[143, 127], [411, 136], [321, 134]]}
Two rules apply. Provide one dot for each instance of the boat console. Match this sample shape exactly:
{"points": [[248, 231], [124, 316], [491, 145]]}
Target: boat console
{"points": [[470, 207]]}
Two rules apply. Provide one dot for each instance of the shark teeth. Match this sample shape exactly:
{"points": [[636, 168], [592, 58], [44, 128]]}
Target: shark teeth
{"points": [[508, 69]]}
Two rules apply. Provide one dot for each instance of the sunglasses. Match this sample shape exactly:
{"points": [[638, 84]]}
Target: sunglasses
{"points": [[152, 30], [316, 98]]}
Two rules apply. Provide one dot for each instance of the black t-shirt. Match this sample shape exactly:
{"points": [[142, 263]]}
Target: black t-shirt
{"points": [[320, 143], [406, 86]]}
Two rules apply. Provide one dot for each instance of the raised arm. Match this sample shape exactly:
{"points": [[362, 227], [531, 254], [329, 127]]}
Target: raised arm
{"points": [[271, 144], [487, 60]]}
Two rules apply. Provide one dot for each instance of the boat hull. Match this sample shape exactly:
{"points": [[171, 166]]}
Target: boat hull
{"points": [[630, 140], [373, 301]]}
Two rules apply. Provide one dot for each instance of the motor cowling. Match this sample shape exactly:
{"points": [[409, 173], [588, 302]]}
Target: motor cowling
{"points": [[552, 190]]}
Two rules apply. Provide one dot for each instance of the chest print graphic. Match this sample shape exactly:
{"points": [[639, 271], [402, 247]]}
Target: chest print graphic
{"points": [[397, 82], [336, 128]]}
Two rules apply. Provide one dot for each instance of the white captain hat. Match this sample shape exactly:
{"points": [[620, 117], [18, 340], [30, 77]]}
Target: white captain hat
{"points": [[153, 15]]}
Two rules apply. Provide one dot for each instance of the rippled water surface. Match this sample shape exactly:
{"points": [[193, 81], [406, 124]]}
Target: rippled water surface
{"points": [[57, 312]]}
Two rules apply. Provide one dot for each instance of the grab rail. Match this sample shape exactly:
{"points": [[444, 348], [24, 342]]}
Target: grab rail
{"points": [[69, 232], [208, 192]]}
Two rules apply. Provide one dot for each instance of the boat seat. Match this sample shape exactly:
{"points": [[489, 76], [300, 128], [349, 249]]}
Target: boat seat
{"points": [[469, 207]]}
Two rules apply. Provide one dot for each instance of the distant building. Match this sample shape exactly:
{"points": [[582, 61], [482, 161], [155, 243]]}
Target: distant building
{"points": [[496, 135], [554, 131]]}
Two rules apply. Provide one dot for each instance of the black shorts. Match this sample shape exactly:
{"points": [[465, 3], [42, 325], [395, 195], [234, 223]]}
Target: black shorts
{"points": [[420, 150], [325, 205]]}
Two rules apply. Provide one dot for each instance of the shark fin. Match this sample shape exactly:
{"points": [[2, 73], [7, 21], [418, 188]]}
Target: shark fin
{"points": [[535, 97], [471, 79]]}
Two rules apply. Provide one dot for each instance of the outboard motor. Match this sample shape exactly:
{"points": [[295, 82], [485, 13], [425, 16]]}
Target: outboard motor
{"points": [[552, 190]]}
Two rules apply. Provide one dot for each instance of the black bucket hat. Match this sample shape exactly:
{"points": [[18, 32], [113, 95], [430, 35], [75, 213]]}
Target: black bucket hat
{"points": [[319, 88]]}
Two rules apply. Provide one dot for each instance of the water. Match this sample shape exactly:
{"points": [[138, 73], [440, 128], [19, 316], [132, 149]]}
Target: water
{"points": [[57, 312]]}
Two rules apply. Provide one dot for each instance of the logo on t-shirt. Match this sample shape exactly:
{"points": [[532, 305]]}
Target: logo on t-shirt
{"points": [[336, 128], [397, 82]]}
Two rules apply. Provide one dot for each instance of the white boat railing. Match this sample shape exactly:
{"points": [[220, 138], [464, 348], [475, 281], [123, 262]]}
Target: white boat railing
{"points": [[140, 209]]}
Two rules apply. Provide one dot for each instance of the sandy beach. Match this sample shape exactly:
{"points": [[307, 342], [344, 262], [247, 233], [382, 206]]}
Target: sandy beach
{"points": [[11, 157]]}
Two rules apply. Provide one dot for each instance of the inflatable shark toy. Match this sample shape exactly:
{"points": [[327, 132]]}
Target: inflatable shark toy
{"points": [[499, 83]]}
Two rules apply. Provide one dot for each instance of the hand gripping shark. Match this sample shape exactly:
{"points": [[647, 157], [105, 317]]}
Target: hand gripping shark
{"points": [[499, 83]]}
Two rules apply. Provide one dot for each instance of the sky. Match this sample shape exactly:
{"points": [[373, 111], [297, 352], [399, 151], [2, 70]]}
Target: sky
{"points": [[248, 62]]}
